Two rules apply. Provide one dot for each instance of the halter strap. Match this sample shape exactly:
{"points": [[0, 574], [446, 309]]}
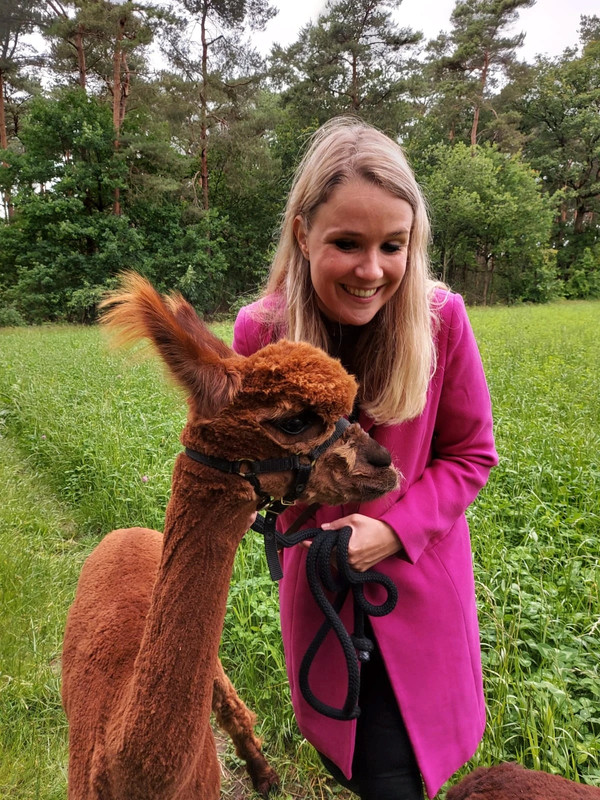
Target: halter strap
{"points": [[250, 470]]}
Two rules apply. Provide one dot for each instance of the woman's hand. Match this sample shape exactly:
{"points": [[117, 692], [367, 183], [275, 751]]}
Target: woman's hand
{"points": [[372, 540], [251, 520]]}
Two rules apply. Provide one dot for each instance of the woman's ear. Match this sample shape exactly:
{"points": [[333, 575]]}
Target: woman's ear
{"points": [[301, 234]]}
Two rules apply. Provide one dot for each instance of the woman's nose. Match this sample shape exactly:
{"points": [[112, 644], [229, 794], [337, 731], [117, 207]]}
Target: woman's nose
{"points": [[369, 269]]}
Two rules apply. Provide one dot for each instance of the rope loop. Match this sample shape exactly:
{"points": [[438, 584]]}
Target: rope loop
{"points": [[322, 576]]}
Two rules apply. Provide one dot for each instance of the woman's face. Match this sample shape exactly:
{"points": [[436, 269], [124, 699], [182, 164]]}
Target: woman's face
{"points": [[357, 247]]}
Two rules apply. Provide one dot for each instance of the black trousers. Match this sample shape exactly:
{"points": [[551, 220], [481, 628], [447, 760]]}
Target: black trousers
{"points": [[384, 765]]}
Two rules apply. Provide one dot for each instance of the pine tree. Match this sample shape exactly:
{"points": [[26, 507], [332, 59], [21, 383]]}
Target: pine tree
{"points": [[17, 18], [223, 68], [353, 59], [561, 117], [480, 51]]}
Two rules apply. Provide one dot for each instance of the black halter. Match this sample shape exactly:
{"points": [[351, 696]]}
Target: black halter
{"points": [[300, 465]]}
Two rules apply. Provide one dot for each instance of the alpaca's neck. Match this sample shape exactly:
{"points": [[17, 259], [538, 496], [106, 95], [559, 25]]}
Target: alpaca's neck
{"points": [[166, 709]]}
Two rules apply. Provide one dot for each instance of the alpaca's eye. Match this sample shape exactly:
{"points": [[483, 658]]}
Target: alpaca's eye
{"points": [[296, 424]]}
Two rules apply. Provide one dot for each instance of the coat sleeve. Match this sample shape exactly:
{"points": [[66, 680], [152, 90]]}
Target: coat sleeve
{"points": [[245, 334], [463, 450], [250, 331]]}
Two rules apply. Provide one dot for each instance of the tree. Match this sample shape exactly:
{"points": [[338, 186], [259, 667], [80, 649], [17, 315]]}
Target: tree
{"points": [[490, 224], [478, 51], [224, 67], [64, 245], [17, 18], [248, 182], [584, 275], [354, 59], [63, 234], [102, 42], [589, 33], [70, 31], [561, 117]]}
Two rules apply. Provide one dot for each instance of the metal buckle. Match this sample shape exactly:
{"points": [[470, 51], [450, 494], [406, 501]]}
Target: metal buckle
{"points": [[241, 463], [285, 502]]}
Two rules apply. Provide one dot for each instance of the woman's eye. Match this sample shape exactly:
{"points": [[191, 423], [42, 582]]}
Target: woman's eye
{"points": [[392, 247], [344, 244]]}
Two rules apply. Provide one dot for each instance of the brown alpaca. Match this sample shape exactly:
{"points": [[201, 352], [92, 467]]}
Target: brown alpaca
{"points": [[140, 658], [514, 782]]}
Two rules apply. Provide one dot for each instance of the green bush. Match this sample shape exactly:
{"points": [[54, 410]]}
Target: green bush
{"points": [[10, 317]]}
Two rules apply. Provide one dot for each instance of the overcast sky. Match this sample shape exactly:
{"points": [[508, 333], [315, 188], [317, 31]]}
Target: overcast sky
{"points": [[551, 25]]}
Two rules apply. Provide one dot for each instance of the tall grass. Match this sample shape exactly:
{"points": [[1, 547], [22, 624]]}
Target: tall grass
{"points": [[87, 443], [535, 537], [38, 566]]}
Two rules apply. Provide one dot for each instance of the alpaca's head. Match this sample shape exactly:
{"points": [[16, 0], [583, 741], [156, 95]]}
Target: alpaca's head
{"points": [[284, 399]]}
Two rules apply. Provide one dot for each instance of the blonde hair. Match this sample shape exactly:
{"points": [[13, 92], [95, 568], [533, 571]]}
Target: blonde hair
{"points": [[396, 358]]}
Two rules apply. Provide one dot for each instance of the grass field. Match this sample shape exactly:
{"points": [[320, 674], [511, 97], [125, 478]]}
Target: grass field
{"points": [[87, 443]]}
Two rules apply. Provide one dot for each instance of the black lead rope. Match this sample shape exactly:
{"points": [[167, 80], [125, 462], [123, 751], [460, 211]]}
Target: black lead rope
{"points": [[322, 576]]}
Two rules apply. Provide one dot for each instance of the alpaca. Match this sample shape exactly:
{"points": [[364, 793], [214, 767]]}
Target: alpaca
{"points": [[514, 782], [140, 657]]}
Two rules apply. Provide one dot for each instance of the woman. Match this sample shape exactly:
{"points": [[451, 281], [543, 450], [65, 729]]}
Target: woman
{"points": [[351, 275]]}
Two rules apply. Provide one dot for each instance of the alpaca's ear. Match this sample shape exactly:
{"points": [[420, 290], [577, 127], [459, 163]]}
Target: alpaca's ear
{"points": [[200, 362]]}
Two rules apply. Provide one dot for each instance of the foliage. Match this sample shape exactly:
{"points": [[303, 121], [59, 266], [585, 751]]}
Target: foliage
{"points": [[561, 115], [182, 173], [584, 276], [64, 243], [54, 248], [353, 59], [10, 317], [62, 234], [489, 218]]}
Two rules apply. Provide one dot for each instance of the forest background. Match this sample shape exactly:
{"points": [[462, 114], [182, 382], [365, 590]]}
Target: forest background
{"points": [[157, 138]]}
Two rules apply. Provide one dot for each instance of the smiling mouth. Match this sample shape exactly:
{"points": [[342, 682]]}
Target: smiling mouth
{"points": [[360, 292]]}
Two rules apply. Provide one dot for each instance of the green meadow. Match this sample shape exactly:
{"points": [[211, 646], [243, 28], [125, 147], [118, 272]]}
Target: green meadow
{"points": [[87, 443]]}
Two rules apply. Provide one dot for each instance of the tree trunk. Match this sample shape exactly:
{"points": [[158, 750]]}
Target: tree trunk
{"points": [[474, 127], [579, 222], [354, 96], [204, 112], [117, 101], [4, 145], [3, 134], [78, 44], [479, 103], [487, 281], [125, 88]]}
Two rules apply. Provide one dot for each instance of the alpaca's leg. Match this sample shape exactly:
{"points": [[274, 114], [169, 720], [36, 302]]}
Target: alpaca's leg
{"points": [[238, 721]]}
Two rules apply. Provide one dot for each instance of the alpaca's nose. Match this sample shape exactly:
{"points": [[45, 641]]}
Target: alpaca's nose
{"points": [[377, 455]]}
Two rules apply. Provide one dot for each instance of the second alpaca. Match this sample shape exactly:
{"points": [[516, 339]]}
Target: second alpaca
{"points": [[513, 782]]}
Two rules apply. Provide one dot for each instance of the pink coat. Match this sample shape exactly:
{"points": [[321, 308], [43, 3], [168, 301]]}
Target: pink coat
{"points": [[430, 642]]}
